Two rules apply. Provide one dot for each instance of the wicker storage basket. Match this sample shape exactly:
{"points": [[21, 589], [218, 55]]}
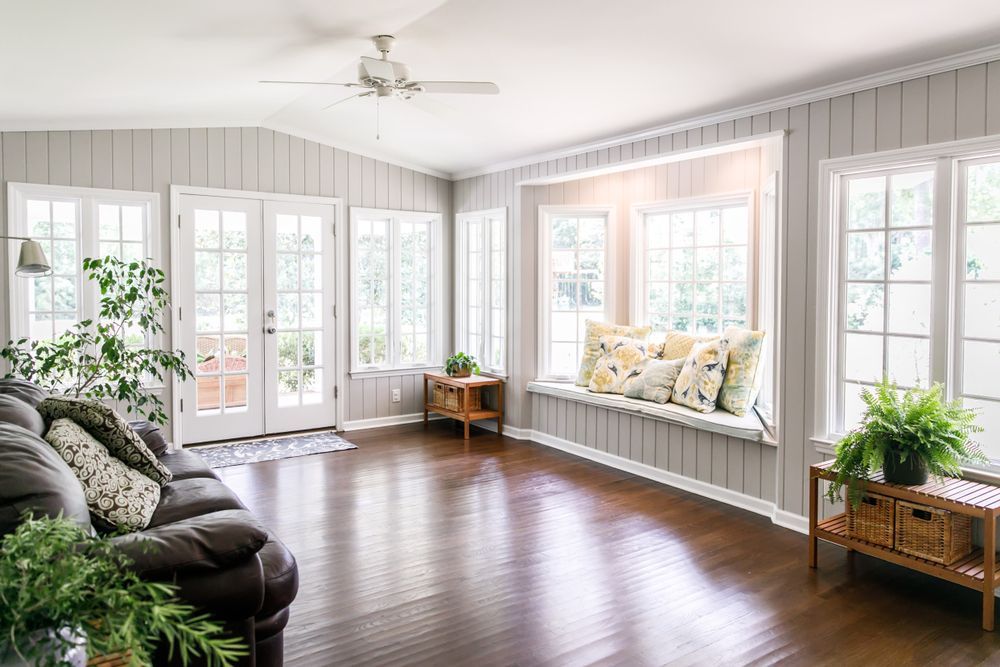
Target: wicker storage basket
{"points": [[111, 660], [935, 534], [872, 520], [438, 397]]}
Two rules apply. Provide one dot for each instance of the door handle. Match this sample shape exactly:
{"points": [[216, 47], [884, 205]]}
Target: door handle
{"points": [[271, 329]]}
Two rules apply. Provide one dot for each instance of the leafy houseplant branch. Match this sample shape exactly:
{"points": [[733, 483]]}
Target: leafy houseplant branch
{"points": [[459, 362], [103, 358]]}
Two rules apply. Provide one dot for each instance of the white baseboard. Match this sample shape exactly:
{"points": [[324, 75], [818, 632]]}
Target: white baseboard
{"points": [[395, 420], [735, 498], [508, 431]]}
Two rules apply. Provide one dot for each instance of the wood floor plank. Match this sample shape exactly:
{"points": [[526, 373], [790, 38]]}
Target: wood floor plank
{"points": [[417, 549]]}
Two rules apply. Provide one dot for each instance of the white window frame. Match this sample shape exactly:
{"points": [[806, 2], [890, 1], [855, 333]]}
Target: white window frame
{"points": [[436, 331], [88, 232], [637, 278], [462, 221], [545, 214], [769, 274], [947, 273]]}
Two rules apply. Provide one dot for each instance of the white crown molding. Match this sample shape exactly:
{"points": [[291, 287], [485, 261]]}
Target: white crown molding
{"points": [[925, 68], [384, 156]]}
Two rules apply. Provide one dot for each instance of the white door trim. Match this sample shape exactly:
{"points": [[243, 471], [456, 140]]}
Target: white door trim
{"points": [[340, 255]]}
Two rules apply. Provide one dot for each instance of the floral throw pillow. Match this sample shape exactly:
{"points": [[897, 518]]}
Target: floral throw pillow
{"points": [[620, 359], [110, 429], [676, 345], [700, 380], [743, 373], [655, 381], [592, 345], [117, 495]]}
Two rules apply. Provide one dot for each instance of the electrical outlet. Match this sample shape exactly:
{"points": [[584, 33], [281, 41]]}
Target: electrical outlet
{"points": [[395, 396]]}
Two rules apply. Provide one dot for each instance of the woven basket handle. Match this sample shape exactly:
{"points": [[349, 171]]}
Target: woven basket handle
{"points": [[923, 515]]}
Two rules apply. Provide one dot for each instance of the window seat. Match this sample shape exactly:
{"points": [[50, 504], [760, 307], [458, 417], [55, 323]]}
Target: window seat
{"points": [[719, 421]]}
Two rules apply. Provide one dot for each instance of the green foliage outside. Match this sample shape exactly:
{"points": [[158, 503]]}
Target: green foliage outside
{"points": [[53, 575], [917, 422], [94, 358]]}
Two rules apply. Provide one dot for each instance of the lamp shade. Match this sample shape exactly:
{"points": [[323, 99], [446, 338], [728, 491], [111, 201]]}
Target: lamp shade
{"points": [[32, 260]]}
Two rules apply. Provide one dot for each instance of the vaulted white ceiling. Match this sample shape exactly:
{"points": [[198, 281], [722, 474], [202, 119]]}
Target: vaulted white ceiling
{"points": [[569, 71]]}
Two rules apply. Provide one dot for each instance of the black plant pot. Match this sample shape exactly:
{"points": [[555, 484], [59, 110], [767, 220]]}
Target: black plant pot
{"points": [[911, 472]]}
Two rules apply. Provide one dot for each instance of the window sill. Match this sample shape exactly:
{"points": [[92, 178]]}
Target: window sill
{"points": [[393, 372], [719, 421]]}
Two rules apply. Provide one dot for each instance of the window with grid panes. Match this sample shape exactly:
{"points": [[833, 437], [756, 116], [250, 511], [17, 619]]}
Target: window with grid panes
{"points": [[482, 293]]}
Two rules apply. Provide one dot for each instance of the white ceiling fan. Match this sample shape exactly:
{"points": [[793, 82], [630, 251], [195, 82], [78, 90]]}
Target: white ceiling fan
{"points": [[382, 77]]}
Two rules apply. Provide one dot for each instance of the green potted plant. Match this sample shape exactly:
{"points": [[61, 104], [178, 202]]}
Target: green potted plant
{"points": [[61, 590], [908, 435], [108, 357], [461, 365]]}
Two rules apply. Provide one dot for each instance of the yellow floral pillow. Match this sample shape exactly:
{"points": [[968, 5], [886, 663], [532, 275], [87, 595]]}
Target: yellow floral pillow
{"points": [[743, 373], [698, 385], [677, 345], [592, 345], [621, 357]]}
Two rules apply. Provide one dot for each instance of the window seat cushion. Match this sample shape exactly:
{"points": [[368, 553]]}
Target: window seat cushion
{"points": [[748, 427]]}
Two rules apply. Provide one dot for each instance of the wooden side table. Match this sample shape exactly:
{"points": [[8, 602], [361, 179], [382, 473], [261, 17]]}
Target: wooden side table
{"points": [[977, 571], [465, 413]]}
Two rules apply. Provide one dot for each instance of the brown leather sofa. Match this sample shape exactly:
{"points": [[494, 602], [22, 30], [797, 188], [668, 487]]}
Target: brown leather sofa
{"points": [[203, 538]]}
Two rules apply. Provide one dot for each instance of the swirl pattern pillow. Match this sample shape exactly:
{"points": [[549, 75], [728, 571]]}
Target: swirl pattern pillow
{"points": [[700, 380], [116, 494], [110, 429], [655, 380], [743, 372], [620, 359], [592, 345]]}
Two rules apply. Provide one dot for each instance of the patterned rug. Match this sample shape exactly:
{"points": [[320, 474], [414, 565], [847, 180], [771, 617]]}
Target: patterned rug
{"points": [[256, 451]]}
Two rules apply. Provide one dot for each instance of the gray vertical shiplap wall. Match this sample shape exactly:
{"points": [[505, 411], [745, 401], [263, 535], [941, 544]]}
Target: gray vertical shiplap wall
{"points": [[236, 158], [736, 464], [956, 104]]}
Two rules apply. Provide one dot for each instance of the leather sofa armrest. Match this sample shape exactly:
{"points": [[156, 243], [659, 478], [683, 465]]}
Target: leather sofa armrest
{"points": [[151, 435], [201, 544], [236, 593]]}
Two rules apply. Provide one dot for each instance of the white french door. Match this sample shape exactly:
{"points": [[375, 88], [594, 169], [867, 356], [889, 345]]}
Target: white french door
{"points": [[256, 321]]}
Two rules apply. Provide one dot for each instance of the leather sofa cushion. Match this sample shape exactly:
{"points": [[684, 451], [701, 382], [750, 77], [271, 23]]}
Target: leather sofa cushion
{"points": [[186, 498], [187, 465], [151, 435], [15, 411], [29, 392], [281, 577], [209, 542], [34, 479]]}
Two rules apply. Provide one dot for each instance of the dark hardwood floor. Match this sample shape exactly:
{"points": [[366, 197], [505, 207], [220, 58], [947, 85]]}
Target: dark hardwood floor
{"points": [[417, 549]]}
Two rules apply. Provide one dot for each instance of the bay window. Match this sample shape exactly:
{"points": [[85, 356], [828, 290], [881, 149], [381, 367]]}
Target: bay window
{"points": [[574, 282], [395, 310], [481, 294]]}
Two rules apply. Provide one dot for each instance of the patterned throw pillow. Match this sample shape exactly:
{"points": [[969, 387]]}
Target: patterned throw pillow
{"points": [[701, 377], [116, 494], [743, 373], [110, 429], [656, 380], [592, 345], [677, 345], [620, 358]]}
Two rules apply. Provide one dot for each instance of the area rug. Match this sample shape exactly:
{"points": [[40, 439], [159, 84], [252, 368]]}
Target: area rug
{"points": [[256, 451]]}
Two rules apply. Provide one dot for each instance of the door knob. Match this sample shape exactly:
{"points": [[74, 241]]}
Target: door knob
{"points": [[271, 329]]}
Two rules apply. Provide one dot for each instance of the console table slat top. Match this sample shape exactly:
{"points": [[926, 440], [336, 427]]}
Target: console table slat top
{"points": [[978, 570]]}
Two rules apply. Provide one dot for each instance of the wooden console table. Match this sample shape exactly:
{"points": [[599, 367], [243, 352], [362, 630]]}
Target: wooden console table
{"points": [[465, 413], [977, 571]]}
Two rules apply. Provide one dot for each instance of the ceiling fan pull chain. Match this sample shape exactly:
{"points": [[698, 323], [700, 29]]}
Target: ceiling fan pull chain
{"points": [[378, 118]]}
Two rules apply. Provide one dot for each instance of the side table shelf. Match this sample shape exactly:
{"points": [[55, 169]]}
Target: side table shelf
{"points": [[465, 413], [977, 571]]}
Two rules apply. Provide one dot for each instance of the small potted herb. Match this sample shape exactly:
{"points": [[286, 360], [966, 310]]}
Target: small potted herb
{"points": [[63, 593], [461, 365], [908, 435]]}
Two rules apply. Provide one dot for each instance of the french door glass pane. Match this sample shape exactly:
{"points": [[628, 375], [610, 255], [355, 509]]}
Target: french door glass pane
{"points": [[221, 318]]}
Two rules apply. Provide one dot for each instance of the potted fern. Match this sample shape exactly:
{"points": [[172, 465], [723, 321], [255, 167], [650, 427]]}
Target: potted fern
{"points": [[66, 596], [908, 435]]}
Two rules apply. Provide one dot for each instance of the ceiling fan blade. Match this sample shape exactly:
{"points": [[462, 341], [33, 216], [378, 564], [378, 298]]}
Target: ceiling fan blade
{"points": [[352, 97], [317, 83], [378, 69], [470, 87]]}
